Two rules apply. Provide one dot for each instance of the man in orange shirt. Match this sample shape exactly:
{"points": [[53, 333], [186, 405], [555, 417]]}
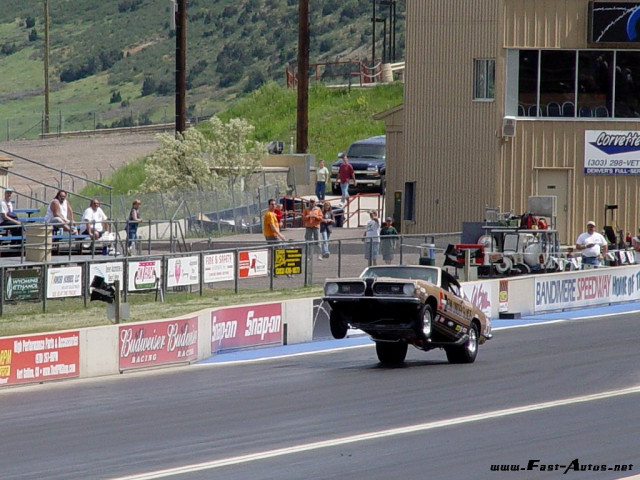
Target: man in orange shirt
{"points": [[270, 226], [311, 219]]}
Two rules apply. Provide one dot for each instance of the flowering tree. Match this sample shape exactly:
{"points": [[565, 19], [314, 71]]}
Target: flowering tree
{"points": [[199, 159]]}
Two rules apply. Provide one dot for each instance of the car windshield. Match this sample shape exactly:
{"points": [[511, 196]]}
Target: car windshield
{"points": [[410, 273], [366, 151]]}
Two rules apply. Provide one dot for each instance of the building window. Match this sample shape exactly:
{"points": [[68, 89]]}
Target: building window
{"points": [[408, 212], [484, 79], [574, 83]]}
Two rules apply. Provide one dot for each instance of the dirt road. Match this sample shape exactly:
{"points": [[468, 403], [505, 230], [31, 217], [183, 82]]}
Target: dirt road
{"points": [[91, 157]]}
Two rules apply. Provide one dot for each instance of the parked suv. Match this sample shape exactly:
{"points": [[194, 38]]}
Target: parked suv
{"points": [[368, 160]]}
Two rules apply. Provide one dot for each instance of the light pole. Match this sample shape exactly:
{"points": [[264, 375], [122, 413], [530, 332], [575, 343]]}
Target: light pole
{"points": [[45, 126], [302, 125], [181, 63]]}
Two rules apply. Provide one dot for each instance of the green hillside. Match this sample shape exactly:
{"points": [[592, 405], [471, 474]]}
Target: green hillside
{"points": [[112, 62]]}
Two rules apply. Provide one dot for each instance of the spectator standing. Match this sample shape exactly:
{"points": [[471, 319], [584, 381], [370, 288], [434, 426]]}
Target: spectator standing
{"points": [[270, 226], [311, 219], [60, 214], [9, 218], [388, 240], [345, 175], [592, 245], [322, 175], [93, 220], [372, 239], [132, 225], [326, 227]]}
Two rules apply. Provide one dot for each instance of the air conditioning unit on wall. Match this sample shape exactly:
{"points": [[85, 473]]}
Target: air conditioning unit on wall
{"points": [[509, 126]]}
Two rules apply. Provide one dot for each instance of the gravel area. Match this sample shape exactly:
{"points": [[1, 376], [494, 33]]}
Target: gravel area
{"points": [[93, 157]]}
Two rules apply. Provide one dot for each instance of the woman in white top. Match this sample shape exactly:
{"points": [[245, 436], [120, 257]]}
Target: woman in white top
{"points": [[60, 212], [322, 175]]}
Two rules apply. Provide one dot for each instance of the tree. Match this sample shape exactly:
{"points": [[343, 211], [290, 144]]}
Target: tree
{"points": [[215, 153]]}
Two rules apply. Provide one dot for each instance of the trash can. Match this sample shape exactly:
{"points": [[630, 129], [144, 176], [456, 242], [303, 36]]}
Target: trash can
{"points": [[427, 254], [37, 246]]}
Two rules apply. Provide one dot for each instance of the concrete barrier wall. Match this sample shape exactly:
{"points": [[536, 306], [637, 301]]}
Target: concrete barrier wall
{"points": [[98, 347]]}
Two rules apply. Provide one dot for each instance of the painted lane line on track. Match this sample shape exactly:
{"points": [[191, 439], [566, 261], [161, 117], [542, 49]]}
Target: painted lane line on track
{"points": [[420, 427]]}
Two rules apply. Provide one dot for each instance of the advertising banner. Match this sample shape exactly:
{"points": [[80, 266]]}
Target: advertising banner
{"points": [[144, 275], [287, 261], [479, 293], [253, 263], [23, 284], [611, 152], [158, 343], [240, 327], [503, 296], [183, 271], [614, 22], [219, 267], [571, 291], [110, 271], [64, 282], [39, 358]]}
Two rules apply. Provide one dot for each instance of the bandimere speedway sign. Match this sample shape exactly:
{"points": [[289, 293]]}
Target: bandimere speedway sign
{"points": [[611, 152], [607, 285]]}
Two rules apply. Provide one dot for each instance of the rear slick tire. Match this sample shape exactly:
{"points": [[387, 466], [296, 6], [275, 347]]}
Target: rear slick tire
{"points": [[466, 353]]}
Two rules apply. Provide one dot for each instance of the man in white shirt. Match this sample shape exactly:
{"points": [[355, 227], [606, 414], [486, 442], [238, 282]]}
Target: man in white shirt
{"points": [[9, 218], [93, 220], [592, 245]]}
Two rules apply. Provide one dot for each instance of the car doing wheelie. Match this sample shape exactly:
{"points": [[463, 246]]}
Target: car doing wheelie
{"points": [[402, 305]]}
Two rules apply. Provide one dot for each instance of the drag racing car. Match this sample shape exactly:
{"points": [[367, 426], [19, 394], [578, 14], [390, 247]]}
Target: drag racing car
{"points": [[398, 305]]}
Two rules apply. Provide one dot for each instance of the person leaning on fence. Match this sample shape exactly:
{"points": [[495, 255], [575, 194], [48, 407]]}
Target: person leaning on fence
{"points": [[60, 214], [9, 219], [372, 239], [132, 225], [388, 240], [270, 226], [592, 245], [326, 227], [93, 221], [311, 219]]}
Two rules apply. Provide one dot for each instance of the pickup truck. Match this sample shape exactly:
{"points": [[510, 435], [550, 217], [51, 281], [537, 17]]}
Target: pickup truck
{"points": [[368, 160]]}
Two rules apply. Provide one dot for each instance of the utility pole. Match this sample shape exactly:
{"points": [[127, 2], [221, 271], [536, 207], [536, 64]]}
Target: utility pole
{"points": [[181, 65], [302, 126], [45, 126]]}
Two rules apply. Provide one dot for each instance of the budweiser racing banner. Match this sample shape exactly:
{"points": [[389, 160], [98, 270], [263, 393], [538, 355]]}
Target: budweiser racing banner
{"points": [[241, 327], [157, 343]]}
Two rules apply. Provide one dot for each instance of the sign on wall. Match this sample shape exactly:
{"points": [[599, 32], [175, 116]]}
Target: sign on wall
{"points": [[64, 282], [183, 271], [144, 275], [219, 267], [22, 284], [240, 327], [612, 152], [38, 358], [110, 271], [253, 263], [614, 22], [157, 343], [287, 261]]}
